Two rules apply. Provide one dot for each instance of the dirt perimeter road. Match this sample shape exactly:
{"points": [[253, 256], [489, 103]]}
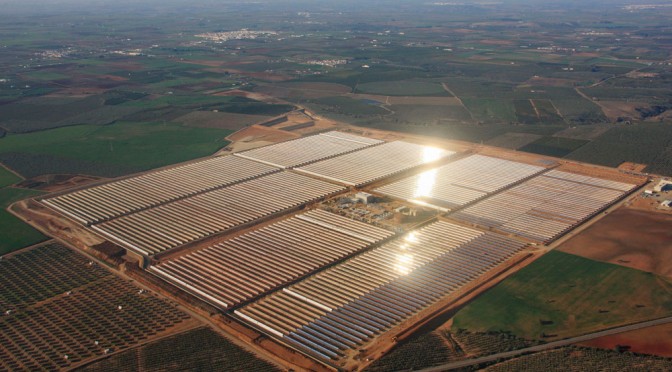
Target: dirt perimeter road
{"points": [[550, 345]]}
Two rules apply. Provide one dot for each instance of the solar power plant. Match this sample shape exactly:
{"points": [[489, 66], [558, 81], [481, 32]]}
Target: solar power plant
{"points": [[306, 150], [546, 206], [260, 261], [100, 203], [340, 309], [173, 224], [374, 163], [460, 182]]}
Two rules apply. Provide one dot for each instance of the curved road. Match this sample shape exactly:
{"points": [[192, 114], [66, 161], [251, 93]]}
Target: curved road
{"points": [[550, 345]]}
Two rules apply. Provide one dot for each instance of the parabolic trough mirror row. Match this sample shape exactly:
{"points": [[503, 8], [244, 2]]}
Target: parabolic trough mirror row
{"points": [[344, 307]]}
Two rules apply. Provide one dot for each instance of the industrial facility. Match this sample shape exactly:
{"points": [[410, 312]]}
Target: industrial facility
{"points": [[332, 244]]}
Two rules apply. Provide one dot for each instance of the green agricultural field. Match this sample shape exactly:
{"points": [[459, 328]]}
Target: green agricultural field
{"points": [[566, 295], [580, 111], [490, 110], [548, 114], [553, 146], [190, 100], [14, 233], [648, 143], [403, 88], [123, 147], [525, 112], [347, 106], [7, 178]]}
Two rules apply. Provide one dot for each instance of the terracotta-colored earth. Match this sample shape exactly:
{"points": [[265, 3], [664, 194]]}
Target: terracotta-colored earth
{"points": [[653, 340], [633, 167], [628, 237]]}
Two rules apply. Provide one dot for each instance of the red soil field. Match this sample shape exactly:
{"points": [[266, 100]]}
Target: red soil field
{"points": [[628, 237], [653, 340]]}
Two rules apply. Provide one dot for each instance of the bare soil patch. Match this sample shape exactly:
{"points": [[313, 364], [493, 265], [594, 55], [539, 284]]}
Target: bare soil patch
{"points": [[628, 237], [653, 340], [549, 82], [616, 109], [222, 120], [57, 182], [583, 132], [601, 172], [257, 133], [632, 167]]}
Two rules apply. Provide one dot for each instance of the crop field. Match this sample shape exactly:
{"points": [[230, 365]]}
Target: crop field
{"points": [[553, 146], [403, 88], [513, 141], [419, 114], [628, 237], [219, 120], [200, 349], [584, 359], [7, 178], [14, 233], [342, 308], [490, 110], [525, 112], [547, 113], [641, 143], [545, 207], [425, 351], [249, 265], [108, 151], [64, 310], [345, 106], [580, 111], [562, 295]]}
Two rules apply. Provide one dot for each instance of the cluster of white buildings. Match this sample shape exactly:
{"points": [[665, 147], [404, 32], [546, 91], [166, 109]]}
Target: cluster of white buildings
{"points": [[235, 35]]}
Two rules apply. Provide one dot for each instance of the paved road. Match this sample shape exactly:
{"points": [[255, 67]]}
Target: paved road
{"points": [[550, 345]]}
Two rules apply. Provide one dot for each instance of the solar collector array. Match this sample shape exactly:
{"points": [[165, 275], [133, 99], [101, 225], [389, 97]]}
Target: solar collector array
{"points": [[346, 306], [113, 199], [306, 150], [546, 206], [170, 225], [374, 163], [460, 182], [243, 267]]}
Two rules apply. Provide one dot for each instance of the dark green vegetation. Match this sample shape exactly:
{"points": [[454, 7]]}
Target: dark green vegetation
{"points": [[553, 146], [441, 347], [108, 151], [199, 350], [14, 233], [7, 178], [562, 295], [642, 143], [535, 69], [24, 275], [75, 311], [574, 358]]}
